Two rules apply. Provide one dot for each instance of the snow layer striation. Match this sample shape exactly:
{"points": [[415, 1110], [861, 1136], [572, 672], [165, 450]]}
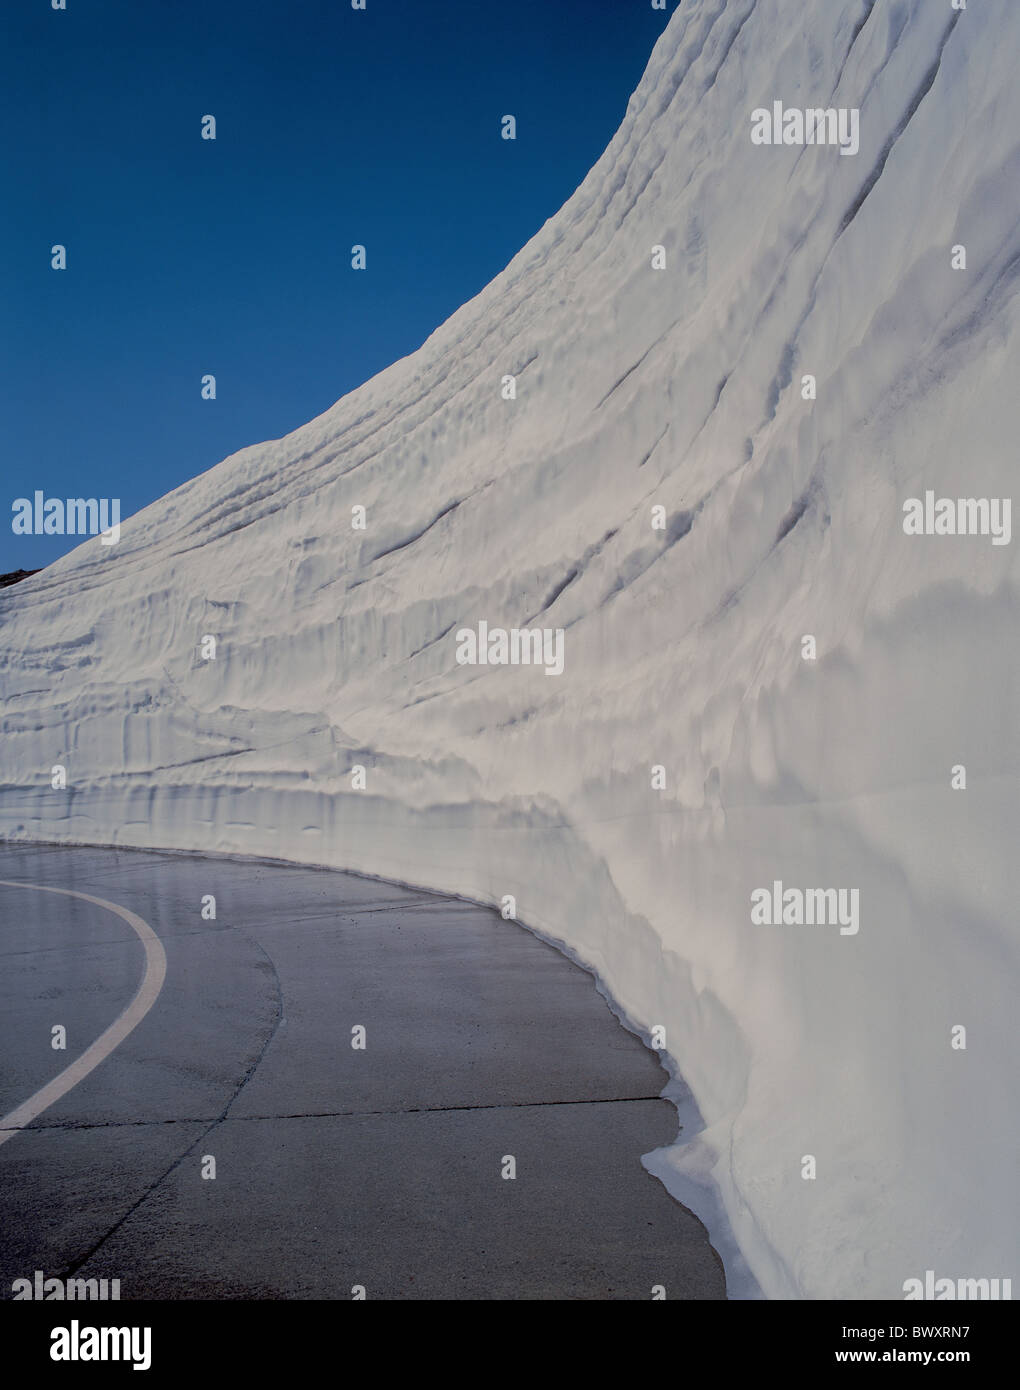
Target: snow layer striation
{"points": [[638, 388]]}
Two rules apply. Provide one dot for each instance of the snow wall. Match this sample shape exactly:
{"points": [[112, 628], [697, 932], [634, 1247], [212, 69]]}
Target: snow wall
{"points": [[692, 750]]}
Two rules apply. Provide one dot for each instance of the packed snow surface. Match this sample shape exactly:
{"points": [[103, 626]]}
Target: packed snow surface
{"points": [[683, 647]]}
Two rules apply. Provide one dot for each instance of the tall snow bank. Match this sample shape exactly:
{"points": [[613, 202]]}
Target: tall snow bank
{"points": [[637, 388]]}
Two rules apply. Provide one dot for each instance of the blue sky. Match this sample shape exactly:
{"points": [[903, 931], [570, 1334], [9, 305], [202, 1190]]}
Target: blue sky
{"points": [[187, 256]]}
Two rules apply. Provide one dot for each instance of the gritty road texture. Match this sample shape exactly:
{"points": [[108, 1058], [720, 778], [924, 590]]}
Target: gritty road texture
{"points": [[335, 1166]]}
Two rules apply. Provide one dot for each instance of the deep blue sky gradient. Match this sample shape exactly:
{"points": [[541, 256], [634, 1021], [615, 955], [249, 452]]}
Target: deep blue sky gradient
{"points": [[188, 256]]}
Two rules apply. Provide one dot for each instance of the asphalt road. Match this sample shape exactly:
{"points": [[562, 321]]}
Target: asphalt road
{"points": [[335, 1166]]}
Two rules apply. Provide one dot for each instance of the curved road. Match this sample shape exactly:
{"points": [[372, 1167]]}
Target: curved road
{"points": [[379, 1166]]}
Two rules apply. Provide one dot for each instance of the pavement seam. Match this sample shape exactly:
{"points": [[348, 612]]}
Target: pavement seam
{"points": [[71, 1125], [75, 1265]]}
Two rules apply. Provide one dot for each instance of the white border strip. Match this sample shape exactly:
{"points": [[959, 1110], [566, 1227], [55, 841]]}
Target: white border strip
{"points": [[148, 992]]}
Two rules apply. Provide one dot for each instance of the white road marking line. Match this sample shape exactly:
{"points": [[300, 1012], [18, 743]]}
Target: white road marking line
{"points": [[148, 992]]}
